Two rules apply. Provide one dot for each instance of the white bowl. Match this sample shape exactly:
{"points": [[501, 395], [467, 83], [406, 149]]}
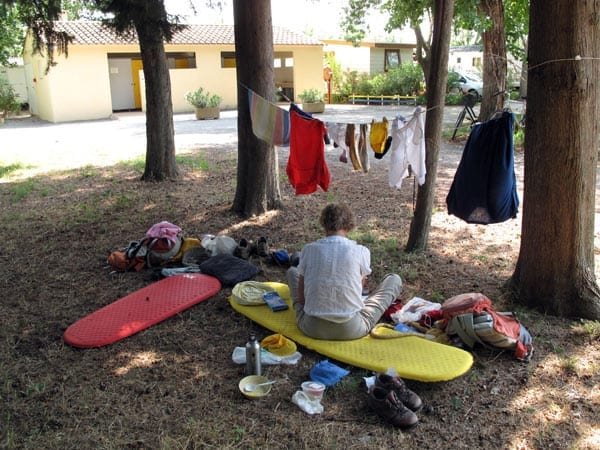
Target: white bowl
{"points": [[259, 391]]}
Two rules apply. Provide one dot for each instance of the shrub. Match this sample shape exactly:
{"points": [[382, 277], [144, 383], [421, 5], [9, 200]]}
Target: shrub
{"points": [[404, 80], [311, 96], [452, 84], [9, 101], [453, 99], [203, 99]]}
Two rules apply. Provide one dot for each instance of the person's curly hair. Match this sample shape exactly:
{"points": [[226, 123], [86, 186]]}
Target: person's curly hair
{"points": [[335, 217]]}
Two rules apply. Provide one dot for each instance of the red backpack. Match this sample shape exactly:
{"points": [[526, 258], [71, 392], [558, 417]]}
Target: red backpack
{"points": [[473, 318]]}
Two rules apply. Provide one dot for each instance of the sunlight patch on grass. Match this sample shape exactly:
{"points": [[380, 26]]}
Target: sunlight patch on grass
{"points": [[138, 360], [589, 439]]}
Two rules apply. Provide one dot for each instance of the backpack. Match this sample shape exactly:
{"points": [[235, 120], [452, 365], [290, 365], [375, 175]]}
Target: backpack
{"points": [[474, 320], [161, 245]]}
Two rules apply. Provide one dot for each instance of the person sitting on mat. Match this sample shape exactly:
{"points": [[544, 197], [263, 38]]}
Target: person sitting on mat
{"points": [[327, 285]]}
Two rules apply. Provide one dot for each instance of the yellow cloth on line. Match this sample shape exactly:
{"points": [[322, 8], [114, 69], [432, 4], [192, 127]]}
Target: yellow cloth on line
{"points": [[378, 135]]}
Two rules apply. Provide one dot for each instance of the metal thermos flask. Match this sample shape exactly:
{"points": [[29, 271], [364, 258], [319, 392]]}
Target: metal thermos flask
{"points": [[253, 356]]}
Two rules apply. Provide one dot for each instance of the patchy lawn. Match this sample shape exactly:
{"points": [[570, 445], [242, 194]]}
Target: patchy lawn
{"points": [[174, 385]]}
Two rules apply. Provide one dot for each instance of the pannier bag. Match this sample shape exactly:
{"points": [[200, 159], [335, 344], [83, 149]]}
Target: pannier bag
{"points": [[474, 320]]}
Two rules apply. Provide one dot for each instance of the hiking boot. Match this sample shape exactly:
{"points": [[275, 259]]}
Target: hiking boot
{"points": [[411, 400], [387, 406], [243, 249], [262, 248]]}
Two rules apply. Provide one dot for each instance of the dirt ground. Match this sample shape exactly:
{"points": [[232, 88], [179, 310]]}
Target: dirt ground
{"points": [[174, 385]]}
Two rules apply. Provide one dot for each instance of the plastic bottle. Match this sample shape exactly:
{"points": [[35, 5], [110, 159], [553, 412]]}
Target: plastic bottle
{"points": [[253, 366]]}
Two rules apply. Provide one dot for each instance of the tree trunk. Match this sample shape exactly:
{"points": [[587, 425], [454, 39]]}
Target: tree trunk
{"points": [[160, 140], [443, 11], [523, 75], [494, 59], [257, 187], [555, 269], [422, 51]]}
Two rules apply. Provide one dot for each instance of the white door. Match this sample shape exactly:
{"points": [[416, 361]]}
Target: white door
{"points": [[31, 94], [121, 84]]}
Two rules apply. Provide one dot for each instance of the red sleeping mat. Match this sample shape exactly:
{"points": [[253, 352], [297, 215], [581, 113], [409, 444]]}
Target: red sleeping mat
{"points": [[141, 309]]}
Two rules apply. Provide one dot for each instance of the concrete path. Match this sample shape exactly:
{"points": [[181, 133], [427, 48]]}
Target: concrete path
{"points": [[47, 146]]}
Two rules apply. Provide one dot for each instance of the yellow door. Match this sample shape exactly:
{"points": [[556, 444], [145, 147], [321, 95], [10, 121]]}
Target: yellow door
{"points": [[136, 66], [181, 63]]}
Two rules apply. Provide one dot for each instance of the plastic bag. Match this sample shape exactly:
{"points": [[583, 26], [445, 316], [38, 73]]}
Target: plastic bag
{"points": [[306, 404], [219, 245], [413, 310]]}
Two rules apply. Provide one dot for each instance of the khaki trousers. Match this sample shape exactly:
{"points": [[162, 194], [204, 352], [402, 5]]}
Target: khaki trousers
{"points": [[358, 325]]}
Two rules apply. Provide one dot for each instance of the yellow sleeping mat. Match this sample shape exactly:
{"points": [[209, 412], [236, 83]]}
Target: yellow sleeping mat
{"points": [[412, 357]]}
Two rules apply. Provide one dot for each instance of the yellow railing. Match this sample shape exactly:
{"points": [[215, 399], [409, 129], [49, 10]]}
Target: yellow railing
{"points": [[383, 99]]}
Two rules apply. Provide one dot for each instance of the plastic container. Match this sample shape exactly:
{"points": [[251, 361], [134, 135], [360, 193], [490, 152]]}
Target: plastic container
{"points": [[313, 390]]}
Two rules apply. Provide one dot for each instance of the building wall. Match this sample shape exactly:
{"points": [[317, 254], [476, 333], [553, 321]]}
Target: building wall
{"points": [[15, 76], [308, 69], [377, 59], [78, 87], [351, 58], [466, 61]]}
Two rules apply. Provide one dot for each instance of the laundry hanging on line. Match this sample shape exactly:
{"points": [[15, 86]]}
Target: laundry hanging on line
{"points": [[408, 149], [307, 163], [306, 168], [484, 189], [379, 139], [269, 122]]}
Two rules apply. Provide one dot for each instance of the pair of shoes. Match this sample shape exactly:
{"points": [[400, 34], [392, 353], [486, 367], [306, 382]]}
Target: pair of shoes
{"points": [[387, 406], [411, 400], [262, 247], [243, 250]]}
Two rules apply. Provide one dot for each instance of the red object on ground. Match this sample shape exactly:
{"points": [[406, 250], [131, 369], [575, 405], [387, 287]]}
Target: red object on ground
{"points": [[141, 309]]}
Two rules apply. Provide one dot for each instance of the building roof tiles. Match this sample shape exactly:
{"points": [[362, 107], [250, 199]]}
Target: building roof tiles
{"points": [[95, 33]]}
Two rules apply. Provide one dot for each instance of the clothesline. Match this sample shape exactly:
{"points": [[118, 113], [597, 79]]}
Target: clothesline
{"points": [[336, 121], [271, 121]]}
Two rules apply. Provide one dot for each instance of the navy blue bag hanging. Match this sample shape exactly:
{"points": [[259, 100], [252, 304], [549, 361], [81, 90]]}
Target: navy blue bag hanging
{"points": [[484, 189]]}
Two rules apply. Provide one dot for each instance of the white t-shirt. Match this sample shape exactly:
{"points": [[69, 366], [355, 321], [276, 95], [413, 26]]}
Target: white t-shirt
{"points": [[333, 269]]}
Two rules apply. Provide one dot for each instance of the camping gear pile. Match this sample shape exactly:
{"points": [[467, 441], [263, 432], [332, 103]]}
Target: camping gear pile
{"points": [[412, 344], [168, 252]]}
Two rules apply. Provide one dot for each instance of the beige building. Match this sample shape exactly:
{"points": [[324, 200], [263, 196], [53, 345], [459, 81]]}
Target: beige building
{"points": [[369, 57], [103, 71]]}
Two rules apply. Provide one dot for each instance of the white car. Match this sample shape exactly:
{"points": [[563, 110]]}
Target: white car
{"points": [[470, 83]]}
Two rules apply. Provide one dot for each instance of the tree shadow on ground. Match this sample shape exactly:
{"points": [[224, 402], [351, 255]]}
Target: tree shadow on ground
{"points": [[174, 385]]}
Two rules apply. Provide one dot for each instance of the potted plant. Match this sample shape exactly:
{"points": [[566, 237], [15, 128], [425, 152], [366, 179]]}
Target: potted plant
{"points": [[8, 100], [312, 101], [206, 104]]}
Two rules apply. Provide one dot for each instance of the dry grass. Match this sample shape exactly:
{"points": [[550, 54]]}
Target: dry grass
{"points": [[174, 385]]}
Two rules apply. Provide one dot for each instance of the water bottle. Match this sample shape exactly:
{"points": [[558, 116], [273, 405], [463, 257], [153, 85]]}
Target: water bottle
{"points": [[253, 356]]}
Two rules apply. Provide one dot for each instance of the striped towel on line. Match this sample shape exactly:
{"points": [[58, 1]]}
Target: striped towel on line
{"points": [[269, 122]]}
